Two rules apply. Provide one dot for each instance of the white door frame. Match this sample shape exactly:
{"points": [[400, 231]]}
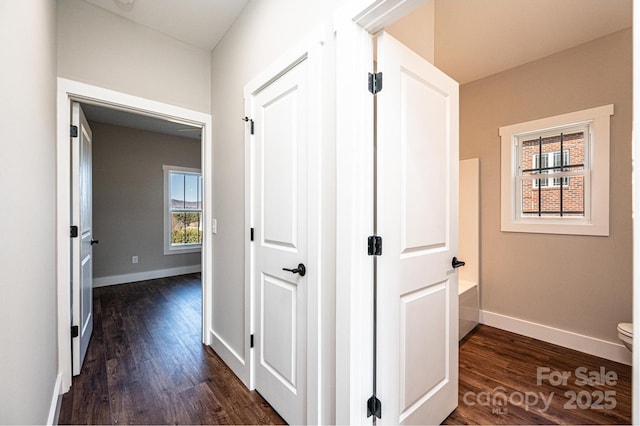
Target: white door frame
{"points": [[309, 50], [354, 25], [67, 91]]}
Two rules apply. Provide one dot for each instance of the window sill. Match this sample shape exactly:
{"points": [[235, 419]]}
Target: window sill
{"points": [[553, 226], [182, 250]]}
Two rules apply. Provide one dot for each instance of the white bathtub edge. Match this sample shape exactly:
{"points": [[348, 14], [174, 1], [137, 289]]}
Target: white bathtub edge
{"points": [[464, 286]]}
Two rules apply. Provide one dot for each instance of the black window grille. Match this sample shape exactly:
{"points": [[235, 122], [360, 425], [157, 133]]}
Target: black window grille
{"points": [[552, 162]]}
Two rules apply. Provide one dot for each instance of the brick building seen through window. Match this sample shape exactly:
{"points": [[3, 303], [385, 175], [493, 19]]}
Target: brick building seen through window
{"points": [[555, 195]]}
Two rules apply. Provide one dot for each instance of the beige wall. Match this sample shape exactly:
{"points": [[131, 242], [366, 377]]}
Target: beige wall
{"points": [[106, 50], [417, 30], [575, 283], [28, 348], [128, 197]]}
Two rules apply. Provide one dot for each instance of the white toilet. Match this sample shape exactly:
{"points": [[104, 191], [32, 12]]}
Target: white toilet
{"points": [[625, 333]]}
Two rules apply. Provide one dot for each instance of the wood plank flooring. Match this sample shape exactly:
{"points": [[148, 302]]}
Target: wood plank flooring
{"points": [[146, 364], [499, 383]]}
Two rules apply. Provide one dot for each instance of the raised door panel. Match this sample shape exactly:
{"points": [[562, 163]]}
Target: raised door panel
{"points": [[417, 342], [279, 329], [423, 144], [280, 170]]}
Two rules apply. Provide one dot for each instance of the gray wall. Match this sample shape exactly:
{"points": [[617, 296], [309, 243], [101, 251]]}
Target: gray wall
{"points": [[28, 348], [107, 50], [128, 196], [581, 284], [259, 36]]}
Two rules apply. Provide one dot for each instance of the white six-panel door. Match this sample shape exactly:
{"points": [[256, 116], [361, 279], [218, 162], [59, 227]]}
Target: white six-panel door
{"points": [[417, 209], [81, 216], [280, 220]]}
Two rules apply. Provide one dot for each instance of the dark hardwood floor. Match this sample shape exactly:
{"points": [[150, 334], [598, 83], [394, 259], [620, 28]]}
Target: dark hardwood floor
{"points": [[146, 364], [499, 383]]}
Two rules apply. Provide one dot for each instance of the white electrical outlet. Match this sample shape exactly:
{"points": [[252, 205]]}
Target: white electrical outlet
{"points": [[134, 259]]}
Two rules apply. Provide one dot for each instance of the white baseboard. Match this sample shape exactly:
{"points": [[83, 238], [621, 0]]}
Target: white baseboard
{"points": [[233, 359], [147, 275], [56, 398], [609, 350]]}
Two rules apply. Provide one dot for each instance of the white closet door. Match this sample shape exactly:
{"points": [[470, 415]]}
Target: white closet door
{"points": [[280, 241]]}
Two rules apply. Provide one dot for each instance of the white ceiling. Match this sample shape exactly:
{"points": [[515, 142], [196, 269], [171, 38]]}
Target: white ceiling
{"points": [[474, 38], [138, 121], [200, 23]]}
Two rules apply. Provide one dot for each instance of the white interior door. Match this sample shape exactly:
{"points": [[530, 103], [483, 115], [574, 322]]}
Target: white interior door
{"points": [[417, 215], [81, 246], [280, 221]]}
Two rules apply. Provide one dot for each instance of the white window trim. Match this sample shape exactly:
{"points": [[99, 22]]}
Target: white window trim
{"points": [[596, 220], [168, 249]]}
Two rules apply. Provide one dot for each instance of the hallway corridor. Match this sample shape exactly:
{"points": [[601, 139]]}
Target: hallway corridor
{"points": [[146, 363]]}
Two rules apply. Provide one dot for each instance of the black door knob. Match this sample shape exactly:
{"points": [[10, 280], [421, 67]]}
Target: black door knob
{"points": [[95, 242], [299, 270], [456, 263]]}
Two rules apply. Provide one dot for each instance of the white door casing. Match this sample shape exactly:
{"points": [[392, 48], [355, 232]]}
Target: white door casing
{"points": [[82, 252], [417, 211], [68, 92], [355, 23], [283, 198]]}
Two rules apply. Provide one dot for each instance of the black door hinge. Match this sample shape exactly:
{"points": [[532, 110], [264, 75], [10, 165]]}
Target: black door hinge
{"points": [[73, 230], [252, 231], [374, 407], [251, 124], [74, 331], [251, 341], [374, 245], [375, 82], [74, 131]]}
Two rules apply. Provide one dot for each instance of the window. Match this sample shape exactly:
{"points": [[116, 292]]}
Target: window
{"points": [[558, 194], [555, 174], [182, 210]]}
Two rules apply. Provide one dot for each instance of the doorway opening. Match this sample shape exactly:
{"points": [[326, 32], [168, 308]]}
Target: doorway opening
{"points": [[355, 42], [127, 110], [133, 203]]}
